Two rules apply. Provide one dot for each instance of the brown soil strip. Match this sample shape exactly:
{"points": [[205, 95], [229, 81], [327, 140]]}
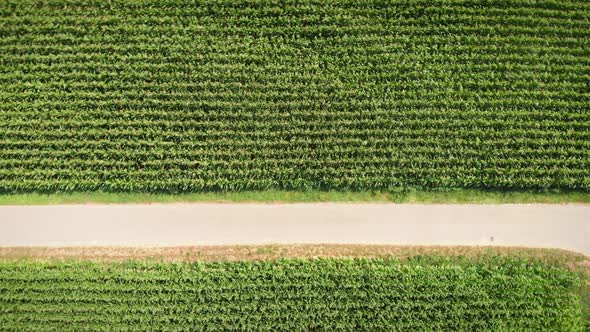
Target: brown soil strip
{"points": [[266, 252]]}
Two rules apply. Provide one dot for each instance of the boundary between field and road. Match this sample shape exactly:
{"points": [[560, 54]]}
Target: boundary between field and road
{"points": [[459, 196], [288, 251]]}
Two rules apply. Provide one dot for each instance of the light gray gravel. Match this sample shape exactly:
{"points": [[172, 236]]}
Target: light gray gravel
{"points": [[532, 225]]}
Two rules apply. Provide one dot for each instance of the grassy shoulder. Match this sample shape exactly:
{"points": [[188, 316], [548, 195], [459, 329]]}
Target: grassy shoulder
{"points": [[415, 288], [277, 196], [558, 257]]}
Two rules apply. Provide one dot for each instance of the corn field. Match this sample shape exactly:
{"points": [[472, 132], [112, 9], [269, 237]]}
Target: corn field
{"points": [[180, 96], [422, 294]]}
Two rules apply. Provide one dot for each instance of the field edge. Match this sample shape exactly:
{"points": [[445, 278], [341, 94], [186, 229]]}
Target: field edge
{"points": [[279, 251], [459, 196]]}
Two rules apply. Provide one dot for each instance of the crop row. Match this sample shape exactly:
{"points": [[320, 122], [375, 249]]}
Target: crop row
{"points": [[411, 10], [364, 106]]}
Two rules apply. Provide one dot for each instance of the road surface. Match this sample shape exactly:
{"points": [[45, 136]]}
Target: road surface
{"points": [[532, 225]]}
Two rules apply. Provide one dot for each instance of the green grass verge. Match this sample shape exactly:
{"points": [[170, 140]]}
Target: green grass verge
{"points": [[422, 293], [273, 196]]}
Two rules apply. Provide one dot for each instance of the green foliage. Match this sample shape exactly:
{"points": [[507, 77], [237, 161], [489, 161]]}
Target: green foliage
{"points": [[437, 197], [290, 295], [183, 96]]}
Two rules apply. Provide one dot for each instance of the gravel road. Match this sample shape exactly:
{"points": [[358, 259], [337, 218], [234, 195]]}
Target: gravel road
{"points": [[531, 225]]}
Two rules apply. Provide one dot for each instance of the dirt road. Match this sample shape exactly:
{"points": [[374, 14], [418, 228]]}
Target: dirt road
{"points": [[557, 226]]}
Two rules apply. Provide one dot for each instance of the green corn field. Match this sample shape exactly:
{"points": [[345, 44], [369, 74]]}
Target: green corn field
{"points": [[421, 294], [186, 96]]}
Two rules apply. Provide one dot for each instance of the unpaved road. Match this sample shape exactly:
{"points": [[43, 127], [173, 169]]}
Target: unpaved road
{"points": [[533, 225]]}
